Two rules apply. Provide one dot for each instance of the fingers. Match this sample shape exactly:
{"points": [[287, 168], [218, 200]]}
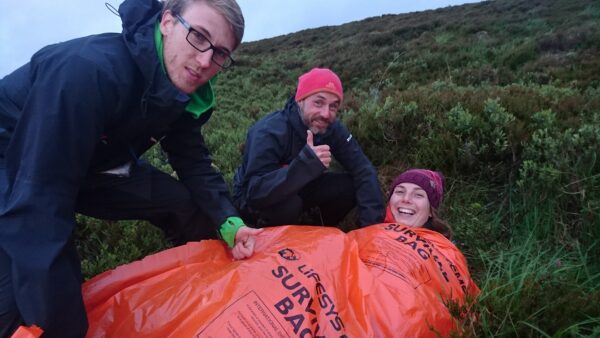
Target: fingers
{"points": [[324, 154], [245, 242], [237, 252], [326, 160], [309, 138], [246, 232], [323, 151], [254, 231], [237, 255], [243, 250]]}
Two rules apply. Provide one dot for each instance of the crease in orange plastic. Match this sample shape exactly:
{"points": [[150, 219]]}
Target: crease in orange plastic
{"points": [[381, 281], [32, 331]]}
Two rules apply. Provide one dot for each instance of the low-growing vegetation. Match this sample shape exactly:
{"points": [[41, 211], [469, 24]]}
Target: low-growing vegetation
{"points": [[501, 96]]}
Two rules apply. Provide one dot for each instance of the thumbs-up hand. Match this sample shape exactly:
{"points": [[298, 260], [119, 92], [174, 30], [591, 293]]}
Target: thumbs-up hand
{"points": [[322, 151]]}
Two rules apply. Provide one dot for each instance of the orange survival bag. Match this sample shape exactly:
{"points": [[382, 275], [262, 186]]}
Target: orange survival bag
{"points": [[385, 280]]}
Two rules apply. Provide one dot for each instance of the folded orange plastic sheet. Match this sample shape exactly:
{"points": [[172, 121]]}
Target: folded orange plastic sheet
{"points": [[417, 272], [28, 332], [382, 281]]}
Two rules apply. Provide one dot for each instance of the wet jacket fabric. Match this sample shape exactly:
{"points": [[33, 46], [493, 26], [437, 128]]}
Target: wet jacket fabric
{"points": [[81, 107], [278, 163]]}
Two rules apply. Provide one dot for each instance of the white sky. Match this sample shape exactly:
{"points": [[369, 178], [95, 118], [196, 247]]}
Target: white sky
{"points": [[28, 25]]}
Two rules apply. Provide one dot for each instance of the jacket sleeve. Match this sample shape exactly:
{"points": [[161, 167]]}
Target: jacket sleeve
{"points": [[189, 156], [268, 179], [369, 199], [46, 161]]}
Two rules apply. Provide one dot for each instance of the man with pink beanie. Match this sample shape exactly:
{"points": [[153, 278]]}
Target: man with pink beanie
{"points": [[285, 169]]}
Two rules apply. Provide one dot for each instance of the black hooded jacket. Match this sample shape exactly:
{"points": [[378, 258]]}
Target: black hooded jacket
{"points": [[81, 107], [278, 163]]}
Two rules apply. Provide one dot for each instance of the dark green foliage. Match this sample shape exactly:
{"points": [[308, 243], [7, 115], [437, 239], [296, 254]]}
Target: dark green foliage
{"points": [[502, 96], [103, 245], [532, 290]]}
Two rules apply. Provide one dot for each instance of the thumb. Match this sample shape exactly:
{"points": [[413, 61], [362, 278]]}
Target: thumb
{"points": [[255, 231], [309, 138]]}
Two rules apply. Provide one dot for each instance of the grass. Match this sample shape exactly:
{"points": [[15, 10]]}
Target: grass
{"points": [[501, 96], [533, 288]]}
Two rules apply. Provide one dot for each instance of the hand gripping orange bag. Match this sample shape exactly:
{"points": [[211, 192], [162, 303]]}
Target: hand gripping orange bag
{"points": [[301, 282]]}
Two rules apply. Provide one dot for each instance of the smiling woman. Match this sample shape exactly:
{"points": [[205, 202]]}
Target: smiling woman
{"points": [[415, 197]]}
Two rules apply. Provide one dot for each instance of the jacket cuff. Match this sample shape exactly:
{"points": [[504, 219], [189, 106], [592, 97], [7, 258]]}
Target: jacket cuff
{"points": [[229, 228]]}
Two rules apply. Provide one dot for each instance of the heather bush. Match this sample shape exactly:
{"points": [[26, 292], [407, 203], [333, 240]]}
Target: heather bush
{"points": [[502, 96]]}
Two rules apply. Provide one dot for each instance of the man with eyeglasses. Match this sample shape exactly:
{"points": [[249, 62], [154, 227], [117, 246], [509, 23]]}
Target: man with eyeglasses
{"points": [[74, 122], [287, 155]]}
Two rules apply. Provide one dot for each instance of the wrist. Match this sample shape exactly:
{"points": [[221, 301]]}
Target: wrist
{"points": [[229, 229]]}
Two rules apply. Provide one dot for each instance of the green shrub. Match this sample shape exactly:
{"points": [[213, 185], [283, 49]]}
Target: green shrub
{"points": [[103, 245], [562, 166], [502, 96]]}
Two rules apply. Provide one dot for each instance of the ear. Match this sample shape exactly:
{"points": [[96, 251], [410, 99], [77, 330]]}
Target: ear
{"points": [[167, 23], [301, 105]]}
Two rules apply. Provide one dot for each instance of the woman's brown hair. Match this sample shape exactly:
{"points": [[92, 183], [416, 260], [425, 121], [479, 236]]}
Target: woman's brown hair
{"points": [[439, 225]]}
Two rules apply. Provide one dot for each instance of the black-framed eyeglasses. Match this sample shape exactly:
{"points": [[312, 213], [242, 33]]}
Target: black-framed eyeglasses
{"points": [[200, 42]]}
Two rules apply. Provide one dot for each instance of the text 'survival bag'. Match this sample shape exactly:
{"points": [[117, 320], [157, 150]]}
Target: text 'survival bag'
{"points": [[385, 280]]}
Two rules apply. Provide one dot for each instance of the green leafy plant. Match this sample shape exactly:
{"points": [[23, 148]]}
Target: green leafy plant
{"points": [[502, 96]]}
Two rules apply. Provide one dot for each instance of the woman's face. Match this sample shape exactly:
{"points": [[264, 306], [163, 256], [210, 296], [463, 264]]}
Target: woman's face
{"points": [[409, 205]]}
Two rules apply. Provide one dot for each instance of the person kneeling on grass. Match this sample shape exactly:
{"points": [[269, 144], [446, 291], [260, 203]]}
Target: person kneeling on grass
{"points": [[285, 171]]}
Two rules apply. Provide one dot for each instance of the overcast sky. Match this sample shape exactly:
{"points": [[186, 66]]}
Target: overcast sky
{"points": [[28, 25]]}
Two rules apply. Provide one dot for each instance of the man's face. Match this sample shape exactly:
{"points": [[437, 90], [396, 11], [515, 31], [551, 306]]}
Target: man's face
{"points": [[187, 67], [319, 111]]}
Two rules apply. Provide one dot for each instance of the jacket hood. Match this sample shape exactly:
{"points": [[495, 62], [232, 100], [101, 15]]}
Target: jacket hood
{"points": [[137, 14], [138, 20]]}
